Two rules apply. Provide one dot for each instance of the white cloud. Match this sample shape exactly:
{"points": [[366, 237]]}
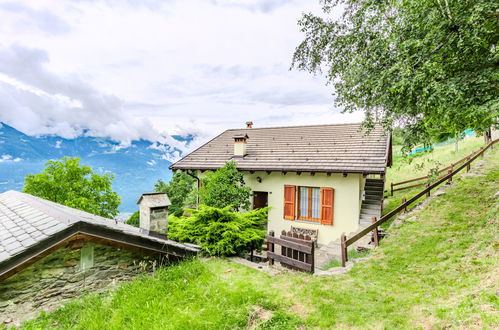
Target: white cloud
{"points": [[150, 69], [58, 144], [8, 158]]}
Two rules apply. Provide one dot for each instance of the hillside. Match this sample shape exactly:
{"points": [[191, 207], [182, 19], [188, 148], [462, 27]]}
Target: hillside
{"points": [[437, 270], [136, 167]]}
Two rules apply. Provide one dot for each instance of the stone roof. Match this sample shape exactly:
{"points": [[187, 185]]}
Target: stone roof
{"points": [[318, 148], [27, 221], [155, 199]]}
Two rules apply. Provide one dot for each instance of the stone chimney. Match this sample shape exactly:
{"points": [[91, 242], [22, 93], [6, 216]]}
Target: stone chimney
{"points": [[249, 124], [153, 214], [240, 141]]}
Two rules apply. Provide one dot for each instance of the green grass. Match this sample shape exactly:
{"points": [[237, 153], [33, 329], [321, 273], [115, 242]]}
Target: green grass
{"points": [[437, 271], [352, 254], [420, 165]]}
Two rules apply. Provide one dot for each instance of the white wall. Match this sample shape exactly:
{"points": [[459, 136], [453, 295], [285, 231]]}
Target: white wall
{"points": [[346, 200]]}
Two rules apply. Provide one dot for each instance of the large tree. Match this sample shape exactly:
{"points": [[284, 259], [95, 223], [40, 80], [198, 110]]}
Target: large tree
{"points": [[225, 187], [68, 182], [429, 65], [179, 190]]}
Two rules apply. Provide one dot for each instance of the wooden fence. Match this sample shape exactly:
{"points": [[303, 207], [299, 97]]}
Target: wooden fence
{"points": [[297, 250], [394, 186], [346, 242]]}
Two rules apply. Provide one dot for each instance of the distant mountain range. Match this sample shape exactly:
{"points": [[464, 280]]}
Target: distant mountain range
{"points": [[136, 168]]}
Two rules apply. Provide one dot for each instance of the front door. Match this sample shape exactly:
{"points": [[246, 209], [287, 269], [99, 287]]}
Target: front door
{"points": [[260, 199]]}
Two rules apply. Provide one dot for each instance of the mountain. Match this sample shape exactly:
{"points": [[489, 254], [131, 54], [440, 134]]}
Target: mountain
{"points": [[136, 167]]}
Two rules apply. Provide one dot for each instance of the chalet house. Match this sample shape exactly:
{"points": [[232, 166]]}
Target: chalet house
{"points": [[50, 252], [322, 180]]}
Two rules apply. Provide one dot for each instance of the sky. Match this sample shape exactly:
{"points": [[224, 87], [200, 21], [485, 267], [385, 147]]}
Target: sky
{"points": [[146, 69]]}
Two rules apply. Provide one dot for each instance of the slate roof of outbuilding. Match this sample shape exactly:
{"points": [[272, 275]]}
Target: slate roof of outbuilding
{"points": [[318, 148], [26, 220]]}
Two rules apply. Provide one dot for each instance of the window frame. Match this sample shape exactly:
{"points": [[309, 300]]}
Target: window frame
{"points": [[310, 204]]}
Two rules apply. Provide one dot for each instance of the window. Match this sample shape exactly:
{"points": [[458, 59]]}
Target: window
{"points": [[309, 203]]}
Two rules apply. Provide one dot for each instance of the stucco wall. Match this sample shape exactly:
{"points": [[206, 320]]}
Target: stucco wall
{"points": [[346, 200], [56, 277]]}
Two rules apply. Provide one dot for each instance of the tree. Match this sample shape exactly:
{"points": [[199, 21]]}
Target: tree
{"points": [[134, 219], [225, 187], [179, 190], [423, 64], [67, 182]]}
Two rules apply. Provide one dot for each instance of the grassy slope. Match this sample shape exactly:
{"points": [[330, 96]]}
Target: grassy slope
{"points": [[439, 270], [421, 164]]}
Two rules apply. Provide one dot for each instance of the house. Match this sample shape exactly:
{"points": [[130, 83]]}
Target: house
{"points": [[322, 180], [50, 252]]}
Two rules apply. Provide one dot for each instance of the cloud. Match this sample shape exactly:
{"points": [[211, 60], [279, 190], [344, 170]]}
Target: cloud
{"points": [[8, 158], [43, 20], [40, 102]]}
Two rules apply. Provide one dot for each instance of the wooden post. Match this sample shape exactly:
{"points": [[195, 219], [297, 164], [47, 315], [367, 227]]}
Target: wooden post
{"points": [[391, 188], [344, 252], [468, 166], [450, 171], [375, 232], [481, 152], [251, 256], [270, 247], [428, 192], [403, 202]]}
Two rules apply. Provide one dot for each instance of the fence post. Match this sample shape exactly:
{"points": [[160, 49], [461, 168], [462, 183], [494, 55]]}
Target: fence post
{"points": [[344, 253], [404, 200], [481, 152], [312, 254], [468, 166], [428, 192], [270, 247], [391, 188], [450, 178], [375, 232]]}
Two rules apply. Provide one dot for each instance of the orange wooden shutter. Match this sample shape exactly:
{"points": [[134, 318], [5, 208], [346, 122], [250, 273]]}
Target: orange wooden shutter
{"points": [[327, 206], [289, 202]]}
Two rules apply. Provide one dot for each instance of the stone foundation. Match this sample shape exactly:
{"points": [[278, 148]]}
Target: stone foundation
{"points": [[57, 277]]}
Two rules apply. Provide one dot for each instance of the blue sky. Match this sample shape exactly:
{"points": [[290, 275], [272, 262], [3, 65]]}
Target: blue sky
{"points": [[149, 69]]}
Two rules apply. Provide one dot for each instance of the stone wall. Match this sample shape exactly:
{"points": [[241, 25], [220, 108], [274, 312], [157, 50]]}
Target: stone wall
{"points": [[43, 285]]}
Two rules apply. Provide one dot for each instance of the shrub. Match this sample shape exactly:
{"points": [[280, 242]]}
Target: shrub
{"points": [[220, 231]]}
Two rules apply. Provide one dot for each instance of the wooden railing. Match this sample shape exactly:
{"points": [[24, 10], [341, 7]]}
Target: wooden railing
{"points": [[297, 251], [394, 186], [346, 242]]}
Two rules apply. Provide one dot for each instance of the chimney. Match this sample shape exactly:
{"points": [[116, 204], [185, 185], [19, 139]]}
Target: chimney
{"points": [[249, 124], [153, 214], [240, 141]]}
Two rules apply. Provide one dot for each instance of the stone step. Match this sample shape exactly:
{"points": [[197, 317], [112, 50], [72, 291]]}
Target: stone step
{"points": [[371, 202]]}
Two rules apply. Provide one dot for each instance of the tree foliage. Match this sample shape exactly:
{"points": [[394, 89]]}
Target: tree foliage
{"points": [[180, 190], [220, 231], [68, 182], [134, 219], [428, 65], [225, 187]]}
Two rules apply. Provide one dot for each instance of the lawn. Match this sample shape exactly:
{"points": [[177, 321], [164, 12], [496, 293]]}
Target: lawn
{"points": [[419, 165], [439, 270]]}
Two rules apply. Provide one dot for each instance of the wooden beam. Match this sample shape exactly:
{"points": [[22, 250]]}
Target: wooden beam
{"points": [[290, 244]]}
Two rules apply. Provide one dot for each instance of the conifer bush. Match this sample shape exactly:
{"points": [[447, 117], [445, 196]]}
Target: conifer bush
{"points": [[220, 231]]}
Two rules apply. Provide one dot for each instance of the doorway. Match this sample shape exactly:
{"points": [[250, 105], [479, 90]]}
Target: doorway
{"points": [[260, 199]]}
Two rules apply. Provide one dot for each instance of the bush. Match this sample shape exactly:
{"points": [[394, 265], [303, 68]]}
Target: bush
{"points": [[134, 219], [219, 231]]}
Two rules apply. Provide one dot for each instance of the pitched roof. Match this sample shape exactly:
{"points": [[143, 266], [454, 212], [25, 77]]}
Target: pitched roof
{"points": [[317, 148], [30, 225]]}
